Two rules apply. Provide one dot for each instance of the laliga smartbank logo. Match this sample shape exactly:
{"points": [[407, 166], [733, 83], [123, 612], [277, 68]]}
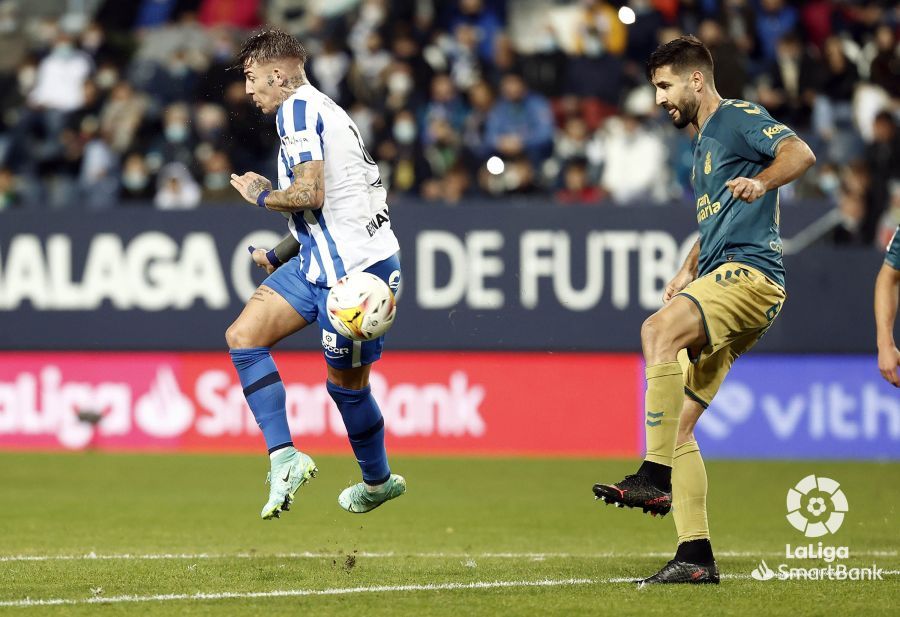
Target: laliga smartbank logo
{"points": [[816, 506]]}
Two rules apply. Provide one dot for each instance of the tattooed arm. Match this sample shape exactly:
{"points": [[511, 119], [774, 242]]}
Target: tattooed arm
{"points": [[306, 192]]}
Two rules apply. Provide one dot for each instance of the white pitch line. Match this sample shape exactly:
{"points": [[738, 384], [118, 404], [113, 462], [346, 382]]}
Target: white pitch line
{"points": [[392, 554], [335, 591], [288, 593]]}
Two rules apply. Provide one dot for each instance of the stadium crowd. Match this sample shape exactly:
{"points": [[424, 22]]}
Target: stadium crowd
{"points": [[138, 103]]}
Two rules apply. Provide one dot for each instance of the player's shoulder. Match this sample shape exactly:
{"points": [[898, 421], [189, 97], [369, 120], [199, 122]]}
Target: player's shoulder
{"points": [[739, 110], [299, 110], [305, 94]]}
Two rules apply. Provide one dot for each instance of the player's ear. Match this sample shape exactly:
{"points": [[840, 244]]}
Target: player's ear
{"points": [[697, 81]]}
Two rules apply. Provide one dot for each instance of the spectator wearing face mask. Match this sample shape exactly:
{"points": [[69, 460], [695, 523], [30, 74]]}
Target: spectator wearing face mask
{"points": [[136, 180], [176, 144], [176, 189], [58, 93], [217, 179]]}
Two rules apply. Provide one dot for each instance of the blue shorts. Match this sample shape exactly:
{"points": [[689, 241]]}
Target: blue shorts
{"points": [[309, 299]]}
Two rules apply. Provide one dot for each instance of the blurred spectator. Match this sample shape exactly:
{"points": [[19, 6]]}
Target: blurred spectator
{"points": [[251, 138], [833, 109], [788, 88], [329, 68], [773, 22], [521, 122], [217, 178], [633, 162], [450, 190], [885, 68], [9, 191], [817, 17], [484, 22], [98, 178], [242, 14], [576, 187], [852, 205], [176, 144], [59, 85], [444, 150], [13, 48], [481, 101], [738, 19], [730, 73], [210, 124], [462, 52], [852, 209], [136, 179], [883, 162], [445, 105], [176, 189], [600, 31], [122, 115]]}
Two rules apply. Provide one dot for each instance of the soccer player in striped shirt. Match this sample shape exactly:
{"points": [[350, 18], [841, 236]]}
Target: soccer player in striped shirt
{"points": [[330, 191]]}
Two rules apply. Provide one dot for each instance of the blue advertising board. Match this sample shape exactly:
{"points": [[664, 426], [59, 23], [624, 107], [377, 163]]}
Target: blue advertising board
{"points": [[812, 407], [478, 277]]}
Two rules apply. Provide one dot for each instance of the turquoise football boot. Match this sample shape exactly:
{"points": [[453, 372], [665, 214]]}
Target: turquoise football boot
{"points": [[358, 500], [290, 470]]}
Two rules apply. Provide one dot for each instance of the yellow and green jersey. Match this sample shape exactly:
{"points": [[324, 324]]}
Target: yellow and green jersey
{"points": [[737, 141], [892, 257]]}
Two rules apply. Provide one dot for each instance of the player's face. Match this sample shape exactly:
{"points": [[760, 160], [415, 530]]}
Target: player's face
{"points": [[675, 94], [263, 86]]}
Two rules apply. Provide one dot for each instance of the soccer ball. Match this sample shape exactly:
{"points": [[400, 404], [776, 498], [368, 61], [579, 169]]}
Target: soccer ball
{"points": [[361, 306]]}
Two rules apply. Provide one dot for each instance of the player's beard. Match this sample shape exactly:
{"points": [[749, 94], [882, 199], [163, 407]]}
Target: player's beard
{"points": [[687, 112]]}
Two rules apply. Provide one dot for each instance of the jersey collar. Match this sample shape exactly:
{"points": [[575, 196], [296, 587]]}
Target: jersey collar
{"points": [[710, 117]]}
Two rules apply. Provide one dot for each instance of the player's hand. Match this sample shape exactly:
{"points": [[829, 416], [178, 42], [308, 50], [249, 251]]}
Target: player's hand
{"points": [[888, 361], [260, 258], [250, 185], [746, 189], [681, 280]]}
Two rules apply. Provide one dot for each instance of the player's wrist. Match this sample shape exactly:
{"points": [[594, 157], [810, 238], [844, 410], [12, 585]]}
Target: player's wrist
{"points": [[261, 198], [273, 258]]}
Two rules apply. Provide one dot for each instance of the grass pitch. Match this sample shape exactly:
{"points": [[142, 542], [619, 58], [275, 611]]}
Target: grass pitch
{"points": [[102, 534]]}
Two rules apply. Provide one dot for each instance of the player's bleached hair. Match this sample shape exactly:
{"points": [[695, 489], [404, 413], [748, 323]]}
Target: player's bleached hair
{"points": [[269, 45], [686, 53]]}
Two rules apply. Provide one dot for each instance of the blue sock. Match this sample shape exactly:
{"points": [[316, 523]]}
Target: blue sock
{"points": [[265, 394], [365, 428]]}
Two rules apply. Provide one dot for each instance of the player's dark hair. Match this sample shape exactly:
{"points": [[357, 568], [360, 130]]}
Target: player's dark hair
{"points": [[686, 53], [269, 45]]}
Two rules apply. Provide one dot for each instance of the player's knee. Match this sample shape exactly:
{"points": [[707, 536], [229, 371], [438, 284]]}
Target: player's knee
{"points": [[238, 336], [653, 332]]}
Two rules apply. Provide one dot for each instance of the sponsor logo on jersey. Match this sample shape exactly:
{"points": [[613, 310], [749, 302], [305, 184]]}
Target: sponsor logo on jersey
{"points": [[377, 221], [772, 131], [394, 281], [330, 345]]}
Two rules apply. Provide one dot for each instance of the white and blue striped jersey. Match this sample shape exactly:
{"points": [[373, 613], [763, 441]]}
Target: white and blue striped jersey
{"points": [[352, 229]]}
